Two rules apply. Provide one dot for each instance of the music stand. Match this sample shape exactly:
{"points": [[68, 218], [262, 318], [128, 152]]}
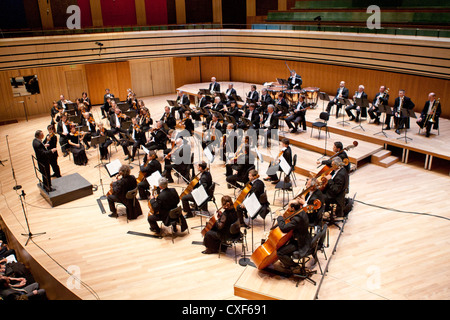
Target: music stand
{"points": [[407, 113], [246, 122], [344, 102], [237, 98], [385, 109], [324, 97], [362, 103]]}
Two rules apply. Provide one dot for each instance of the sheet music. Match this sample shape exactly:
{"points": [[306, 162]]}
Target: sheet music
{"points": [[252, 205], [285, 166], [153, 179], [200, 196], [113, 167], [145, 149], [258, 154], [208, 154]]}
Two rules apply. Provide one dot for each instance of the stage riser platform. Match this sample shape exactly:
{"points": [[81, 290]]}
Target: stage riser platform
{"points": [[67, 189]]}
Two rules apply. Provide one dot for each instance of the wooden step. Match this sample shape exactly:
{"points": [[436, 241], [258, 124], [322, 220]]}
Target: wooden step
{"points": [[380, 155], [388, 161]]}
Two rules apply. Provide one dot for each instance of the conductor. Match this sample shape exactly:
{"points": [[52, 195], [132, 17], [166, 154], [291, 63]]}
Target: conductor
{"points": [[43, 158]]}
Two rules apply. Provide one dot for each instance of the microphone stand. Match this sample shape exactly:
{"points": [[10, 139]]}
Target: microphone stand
{"points": [[29, 234], [21, 195]]}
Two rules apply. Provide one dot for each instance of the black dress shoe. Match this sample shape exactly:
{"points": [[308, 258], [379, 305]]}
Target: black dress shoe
{"points": [[397, 131], [113, 215], [387, 128]]}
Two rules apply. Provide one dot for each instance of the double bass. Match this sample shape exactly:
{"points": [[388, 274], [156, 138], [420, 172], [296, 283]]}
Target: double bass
{"points": [[266, 254]]}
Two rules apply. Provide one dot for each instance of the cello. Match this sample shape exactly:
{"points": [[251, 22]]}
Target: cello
{"points": [[266, 254], [212, 221], [191, 185], [242, 195]]}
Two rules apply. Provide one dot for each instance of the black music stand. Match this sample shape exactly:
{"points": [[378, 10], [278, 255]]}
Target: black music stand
{"points": [[385, 110], [237, 98], [361, 103], [324, 97], [344, 102], [407, 113], [96, 141]]}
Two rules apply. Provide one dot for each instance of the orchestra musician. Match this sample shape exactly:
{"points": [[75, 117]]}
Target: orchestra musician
{"points": [[162, 204], [63, 130], [286, 153], [252, 96], [430, 114], [106, 103], [43, 159], [217, 106], [214, 86], [281, 104], [179, 158], [229, 142], [54, 111], [152, 166], [233, 111], [116, 121], [168, 119], [253, 116], [301, 238], [212, 132], [76, 148], [237, 152], [264, 100], [337, 186], [202, 101], [62, 102], [358, 94], [206, 181], [120, 187], [401, 102], [221, 231], [244, 162], [269, 122], [338, 148], [187, 123], [144, 119], [258, 188], [314, 193], [88, 121], [381, 98], [136, 138], [230, 93], [86, 101], [294, 81], [103, 147], [298, 116], [342, 92], [158, 138], [183, 103], [51, 140]]}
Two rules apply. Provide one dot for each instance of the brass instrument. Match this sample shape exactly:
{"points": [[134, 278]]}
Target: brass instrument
{"points": [[432, 115], [400, 106], [381, 95]]}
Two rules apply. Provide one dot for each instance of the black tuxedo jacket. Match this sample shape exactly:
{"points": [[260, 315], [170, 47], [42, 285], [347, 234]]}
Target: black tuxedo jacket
{"points": [[123, 185], [299, 224], [254, 119], [170, 121], [151, 167], [42, 154], [287, 154], [383, 100], [297, 82], [337, 187], [160, 138], [230, 93], [424, 113], [167, 200], [257, 189], [345, 93], [273, 121], [214, 86], [139, 136], [184, 100], [253, 96]]}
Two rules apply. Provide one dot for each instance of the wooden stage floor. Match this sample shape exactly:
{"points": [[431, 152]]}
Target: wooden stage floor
{"points": [[395, 244]]}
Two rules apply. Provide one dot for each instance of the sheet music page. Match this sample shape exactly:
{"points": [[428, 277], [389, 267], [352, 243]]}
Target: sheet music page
{"points": [[285, 166], [258, 154], [252, 205], [200, 196], [145, 149], [208, 154], [153, 179], [113, 167]]}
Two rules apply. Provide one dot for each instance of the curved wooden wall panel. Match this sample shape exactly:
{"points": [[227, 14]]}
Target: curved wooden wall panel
{"points": [[419, 65]]}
